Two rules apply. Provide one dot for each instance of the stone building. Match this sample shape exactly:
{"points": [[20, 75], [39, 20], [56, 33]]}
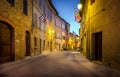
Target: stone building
{"points": [[15, 29], [51, 14], [37, 38], [67, 33], [100, 31], [44, 27], [55, 28], [58, 33], [28, 28], [63, 36]]}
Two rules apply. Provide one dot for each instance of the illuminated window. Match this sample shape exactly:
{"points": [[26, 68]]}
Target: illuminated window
{"points": [[92, 1], [25, 7], [12, 2]]}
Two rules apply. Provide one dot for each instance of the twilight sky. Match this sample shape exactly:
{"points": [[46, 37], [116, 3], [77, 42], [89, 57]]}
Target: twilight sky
{"points": [[65, 8]]}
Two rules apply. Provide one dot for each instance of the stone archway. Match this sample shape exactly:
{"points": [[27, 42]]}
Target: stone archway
{"points": [[6, 42]]}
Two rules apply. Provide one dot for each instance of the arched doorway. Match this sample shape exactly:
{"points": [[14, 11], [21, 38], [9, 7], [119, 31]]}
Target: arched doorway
{"points": [[27, 39], [6, 42]]}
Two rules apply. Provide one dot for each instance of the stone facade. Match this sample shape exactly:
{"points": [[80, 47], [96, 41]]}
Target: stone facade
{"points": [[28, 28], [58, 32], [100, 31], [19, 22]]}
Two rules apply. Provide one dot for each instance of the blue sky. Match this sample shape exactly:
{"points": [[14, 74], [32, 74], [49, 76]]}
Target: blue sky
{"points": [[65, 8]]}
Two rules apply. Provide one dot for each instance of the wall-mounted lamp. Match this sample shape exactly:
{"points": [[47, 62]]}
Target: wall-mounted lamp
{"points": [[77, 13], [79, 6]]}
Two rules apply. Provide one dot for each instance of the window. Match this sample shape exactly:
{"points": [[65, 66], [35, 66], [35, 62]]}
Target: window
{"points": [[43, 8], [44, 43], [92, 1], [40, 25], [50, 17], [35, 1], [40, 4], [48, 43], [12, 2], [35, 41], [34, 19], [25, 7]]}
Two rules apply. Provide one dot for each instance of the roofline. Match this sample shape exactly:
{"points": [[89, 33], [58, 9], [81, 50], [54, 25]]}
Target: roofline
{"points": [[51, 6]]}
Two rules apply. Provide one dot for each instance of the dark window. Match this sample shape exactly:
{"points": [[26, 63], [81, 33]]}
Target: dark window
{"points": [[44, 43], [34, 19], [35, 41], [50, 17], [48, 43], [43, 8], [92, 1], [25, 7], [40, 4], [12, 2]]}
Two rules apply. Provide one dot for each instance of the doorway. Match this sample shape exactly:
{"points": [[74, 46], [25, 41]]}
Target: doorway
{"points": [[40, 45], [6, 42], [97, 46], [27, 35], [51, 46]]}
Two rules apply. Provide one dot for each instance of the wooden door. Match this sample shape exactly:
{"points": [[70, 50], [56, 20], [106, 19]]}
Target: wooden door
{"points": [[5, 43], [28, 44]]}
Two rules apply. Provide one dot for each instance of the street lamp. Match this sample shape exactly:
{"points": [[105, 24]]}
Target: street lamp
{"points": [[79, 6], [77, 13]]}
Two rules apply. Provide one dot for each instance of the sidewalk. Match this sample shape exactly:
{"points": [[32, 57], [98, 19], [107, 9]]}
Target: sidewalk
{"points": [[10, 65]]}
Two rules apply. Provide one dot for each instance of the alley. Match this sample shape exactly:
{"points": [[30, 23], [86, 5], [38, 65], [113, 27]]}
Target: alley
{"points": [[60, 64]]}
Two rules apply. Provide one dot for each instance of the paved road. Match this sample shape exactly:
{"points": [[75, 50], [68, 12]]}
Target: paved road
{"points": [[60, 64]]}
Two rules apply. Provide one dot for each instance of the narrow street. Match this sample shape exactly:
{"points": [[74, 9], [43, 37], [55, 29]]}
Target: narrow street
{"points": [[60, 64]]}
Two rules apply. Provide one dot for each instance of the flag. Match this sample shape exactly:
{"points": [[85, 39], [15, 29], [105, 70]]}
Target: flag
{"points": [[43, 18], [77, 15]]}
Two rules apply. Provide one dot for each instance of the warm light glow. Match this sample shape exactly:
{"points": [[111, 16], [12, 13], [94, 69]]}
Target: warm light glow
{"points": [[79, 6], [49, 31], [77, 38], [52, 31]]}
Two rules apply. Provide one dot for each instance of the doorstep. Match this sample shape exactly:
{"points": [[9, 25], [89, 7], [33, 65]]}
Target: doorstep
{"points": [[98, 62]]}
